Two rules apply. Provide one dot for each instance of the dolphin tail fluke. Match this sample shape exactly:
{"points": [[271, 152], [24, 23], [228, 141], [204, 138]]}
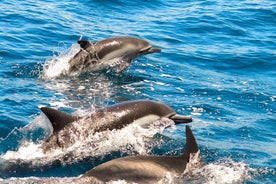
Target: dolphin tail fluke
{"points": [[57, 118], [191, 145], [181, 119]]}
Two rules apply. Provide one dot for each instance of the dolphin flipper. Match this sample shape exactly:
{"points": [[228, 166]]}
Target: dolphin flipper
{"points": [[58, 119], [123, 66]]}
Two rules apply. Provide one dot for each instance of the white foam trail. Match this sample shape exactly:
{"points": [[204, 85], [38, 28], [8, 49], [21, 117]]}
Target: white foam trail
{"points": [[59, 65]]}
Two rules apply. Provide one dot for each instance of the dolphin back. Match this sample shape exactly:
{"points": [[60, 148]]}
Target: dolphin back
{"points": [[145, 168], [84, 44], [57, 118], [191, 145]]}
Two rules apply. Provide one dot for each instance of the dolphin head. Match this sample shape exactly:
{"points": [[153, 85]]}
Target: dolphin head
{"points": [[166, 111], [145, 111], [124, 46]]}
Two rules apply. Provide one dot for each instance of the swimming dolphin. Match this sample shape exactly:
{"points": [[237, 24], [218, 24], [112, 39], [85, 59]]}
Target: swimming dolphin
{"points": [[145, 169], [109, 53], [67, 129]]}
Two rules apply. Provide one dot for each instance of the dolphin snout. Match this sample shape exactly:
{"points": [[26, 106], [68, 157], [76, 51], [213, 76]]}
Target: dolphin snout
{"points": [[153, 49], [180, 119], [149, 50]]}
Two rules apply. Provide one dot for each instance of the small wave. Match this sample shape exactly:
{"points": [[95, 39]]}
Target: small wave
{"points": [[39, 129]]}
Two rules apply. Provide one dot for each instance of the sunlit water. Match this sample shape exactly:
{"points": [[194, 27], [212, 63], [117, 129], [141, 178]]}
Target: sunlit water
{"points": [[217, 65]]}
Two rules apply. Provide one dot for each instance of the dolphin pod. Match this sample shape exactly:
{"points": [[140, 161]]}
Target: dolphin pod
{"points": [[118, 51], [68, 128], [144, 169]]}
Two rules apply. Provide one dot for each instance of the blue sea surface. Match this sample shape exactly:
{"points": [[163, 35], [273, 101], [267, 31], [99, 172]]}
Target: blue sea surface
{"points": [[217, 65]]}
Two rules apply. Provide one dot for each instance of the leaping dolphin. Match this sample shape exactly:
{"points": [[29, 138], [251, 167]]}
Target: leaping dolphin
{"points": [[144, 169], [67, 129], [118, 51]]}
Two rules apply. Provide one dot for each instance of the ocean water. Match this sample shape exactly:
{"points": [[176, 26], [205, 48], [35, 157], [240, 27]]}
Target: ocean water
{"points": [[217, 65]]}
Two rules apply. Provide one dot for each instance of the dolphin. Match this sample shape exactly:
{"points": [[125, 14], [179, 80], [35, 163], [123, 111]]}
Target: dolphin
{"points": [[145, 169], [118, 51], [67, 129]]}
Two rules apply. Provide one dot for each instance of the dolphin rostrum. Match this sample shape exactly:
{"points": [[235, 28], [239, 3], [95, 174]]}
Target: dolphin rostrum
{"points": [[67, 129], [145, 169], [118, 51]]}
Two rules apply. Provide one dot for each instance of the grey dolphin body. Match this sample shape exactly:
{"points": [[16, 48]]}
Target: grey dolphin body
{"points": [[109, 53], [144, 169], [68, 129]]}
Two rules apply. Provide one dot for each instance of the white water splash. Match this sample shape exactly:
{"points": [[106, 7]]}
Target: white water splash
{"points": [[50, 180], [226, 172], [131, 139], [26, 151], [213, 173], [59, 65], [103, 143], [232, 172]]}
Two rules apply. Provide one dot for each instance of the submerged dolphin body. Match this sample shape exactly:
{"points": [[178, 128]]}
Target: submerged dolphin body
{"points": [[68, 129], [144, 169], [109, 53]]}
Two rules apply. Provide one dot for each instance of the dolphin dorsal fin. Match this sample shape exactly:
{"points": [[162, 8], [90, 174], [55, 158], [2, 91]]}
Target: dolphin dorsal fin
{"points": [[57, 118], [84, 44], [191, 145]]}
